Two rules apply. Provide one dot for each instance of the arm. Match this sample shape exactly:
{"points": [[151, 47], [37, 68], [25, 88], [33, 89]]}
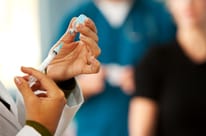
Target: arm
{"points": [[144, 105], [97, 81], [142, 117]]}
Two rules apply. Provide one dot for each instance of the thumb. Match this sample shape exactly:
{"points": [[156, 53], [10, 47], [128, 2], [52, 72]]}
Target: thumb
{"points": [[24, 88], [69, 37]]}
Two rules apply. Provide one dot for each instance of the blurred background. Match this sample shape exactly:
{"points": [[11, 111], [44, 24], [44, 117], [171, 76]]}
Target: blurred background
{"points": [[28, 28]]}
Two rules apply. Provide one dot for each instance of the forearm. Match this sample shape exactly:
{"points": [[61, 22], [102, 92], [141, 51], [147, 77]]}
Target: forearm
{"points": [[142, 117]]}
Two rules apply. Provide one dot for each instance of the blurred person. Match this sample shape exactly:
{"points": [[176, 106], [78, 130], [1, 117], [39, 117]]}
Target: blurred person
{"points": [[125, 29], [170, 95], [46, 114]]}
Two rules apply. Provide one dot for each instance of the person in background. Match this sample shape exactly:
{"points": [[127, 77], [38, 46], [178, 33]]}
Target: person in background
{"points": [[45, 114], [170, 95], [125, 28]]}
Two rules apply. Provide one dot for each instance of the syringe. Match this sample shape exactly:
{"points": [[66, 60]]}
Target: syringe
{"points": [[45, 63]]}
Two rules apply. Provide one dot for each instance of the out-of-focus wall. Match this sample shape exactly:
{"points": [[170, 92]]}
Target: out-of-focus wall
{"points": [[19, 38]]}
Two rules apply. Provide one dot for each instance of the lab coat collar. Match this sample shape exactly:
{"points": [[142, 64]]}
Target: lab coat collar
{"points": [[6, 97]]}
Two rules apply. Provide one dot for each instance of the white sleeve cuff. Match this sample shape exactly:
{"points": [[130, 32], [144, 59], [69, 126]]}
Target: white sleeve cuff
{"points": [[28, 131]]}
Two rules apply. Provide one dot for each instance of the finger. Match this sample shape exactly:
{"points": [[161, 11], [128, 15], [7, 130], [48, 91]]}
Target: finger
{"points": [[93, 67], [26, 77], [67, 37], [45, 82], [67, 49], [87, 32], [89, 23], [24, 88], [93, 46], [71, 24], [66, 59]]}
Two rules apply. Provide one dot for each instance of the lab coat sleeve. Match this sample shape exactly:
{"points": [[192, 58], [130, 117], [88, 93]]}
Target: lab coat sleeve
{"points": [[74, 101], [28, 131]]}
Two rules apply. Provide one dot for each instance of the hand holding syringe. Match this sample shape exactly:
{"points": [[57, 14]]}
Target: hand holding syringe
{"points": [[56, 50]]}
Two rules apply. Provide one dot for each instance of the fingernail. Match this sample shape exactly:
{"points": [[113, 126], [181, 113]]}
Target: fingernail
{"points": [[17, 80]]}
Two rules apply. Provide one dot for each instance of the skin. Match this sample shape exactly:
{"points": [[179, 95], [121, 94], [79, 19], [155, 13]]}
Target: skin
{"points": [[75, 58], [97, 81], [126, 82], [190, 18], [42, 107]]}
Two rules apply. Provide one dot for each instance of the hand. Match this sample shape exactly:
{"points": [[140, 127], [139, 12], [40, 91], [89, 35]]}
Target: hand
{"points": [[127, 80], [121, 76], [76, 57], [97, 80], [45, 110]]}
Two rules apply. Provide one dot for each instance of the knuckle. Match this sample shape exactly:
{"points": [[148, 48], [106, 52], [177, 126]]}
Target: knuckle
{"points": [[97, 68], [97, 39], [87, 31], [98, 52], [61, 94], [60, 97]]}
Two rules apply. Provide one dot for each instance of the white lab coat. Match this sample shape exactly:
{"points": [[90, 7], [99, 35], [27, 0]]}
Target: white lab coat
{"points": [[13, 122]]}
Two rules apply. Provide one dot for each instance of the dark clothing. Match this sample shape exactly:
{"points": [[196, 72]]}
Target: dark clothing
{"points": [[178, 85]]}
